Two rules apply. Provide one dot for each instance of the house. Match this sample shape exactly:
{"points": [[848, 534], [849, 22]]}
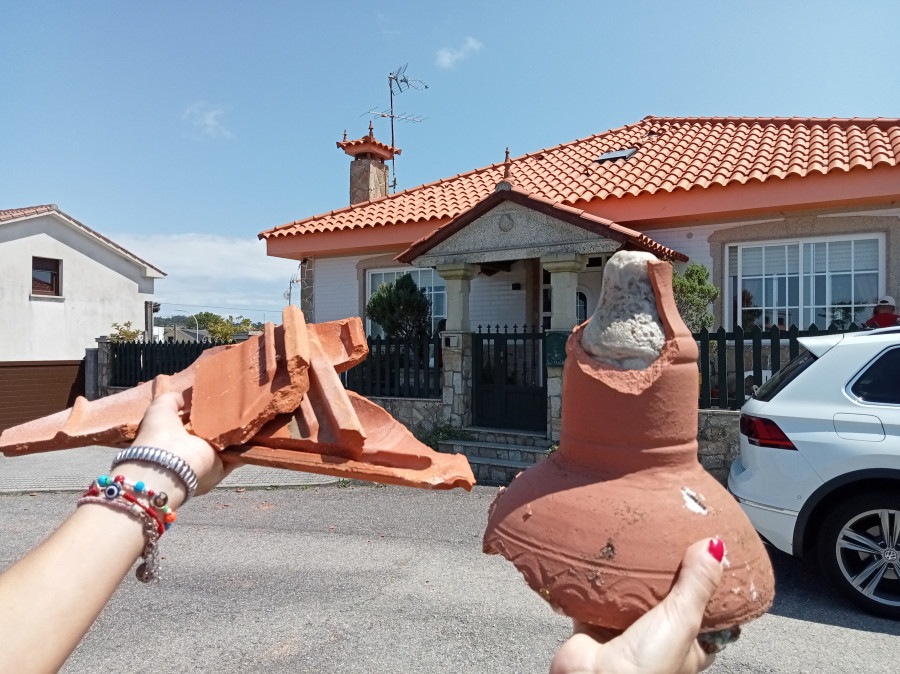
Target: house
{"points": [[174, 333], [62, 285], [797, 219]]}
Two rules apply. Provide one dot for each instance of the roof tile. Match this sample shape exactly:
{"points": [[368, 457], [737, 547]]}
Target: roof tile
{"points": [[674, 153]]}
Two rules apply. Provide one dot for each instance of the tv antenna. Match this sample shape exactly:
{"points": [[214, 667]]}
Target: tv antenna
{"points": [[398, 82], [295, 280]]}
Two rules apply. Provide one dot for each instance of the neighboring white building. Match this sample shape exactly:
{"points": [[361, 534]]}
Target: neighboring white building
{"points": [[62, 285]]}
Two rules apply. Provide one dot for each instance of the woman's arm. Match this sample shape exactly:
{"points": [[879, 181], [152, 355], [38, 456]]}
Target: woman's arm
{"points": [[51, 597]]}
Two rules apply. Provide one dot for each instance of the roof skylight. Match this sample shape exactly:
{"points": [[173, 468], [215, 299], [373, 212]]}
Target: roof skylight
{"points": [[617, 154]]}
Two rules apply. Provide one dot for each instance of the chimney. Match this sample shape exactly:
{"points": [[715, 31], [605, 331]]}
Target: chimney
{"points": [[369, 176]]}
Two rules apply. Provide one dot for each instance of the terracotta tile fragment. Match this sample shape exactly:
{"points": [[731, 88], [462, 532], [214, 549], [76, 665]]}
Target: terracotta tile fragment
{"points": [[274, 400], [335, 418], [111, 421], [343, 341], [390, 453], [237, 391]]}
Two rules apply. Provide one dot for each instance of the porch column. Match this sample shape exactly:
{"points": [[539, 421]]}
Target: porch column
{"points": [[459, 279], [456, 345], [564, 269]]}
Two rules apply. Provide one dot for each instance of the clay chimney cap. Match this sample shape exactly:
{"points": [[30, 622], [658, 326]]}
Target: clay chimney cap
{"points": [[367, 147]]}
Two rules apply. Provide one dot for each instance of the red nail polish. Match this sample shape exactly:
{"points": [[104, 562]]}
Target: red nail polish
{"points": [[716, 549]]}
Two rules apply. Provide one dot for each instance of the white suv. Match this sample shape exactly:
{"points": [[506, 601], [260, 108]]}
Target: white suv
{"points": [[819, 470]]}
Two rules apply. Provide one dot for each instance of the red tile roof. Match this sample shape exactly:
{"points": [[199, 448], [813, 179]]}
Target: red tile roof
{"points": [[632, 239], [367, 145], [28, 211], [673, 153], [14, 213]]}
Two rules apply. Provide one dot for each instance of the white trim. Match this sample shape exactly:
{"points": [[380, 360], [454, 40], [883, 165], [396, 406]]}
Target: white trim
{"points": [[149, 270], [400, 271], [730, 320]]}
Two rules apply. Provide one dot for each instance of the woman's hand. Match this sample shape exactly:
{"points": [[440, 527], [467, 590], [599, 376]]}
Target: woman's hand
{"points": [[662, 641], [162, 427]]}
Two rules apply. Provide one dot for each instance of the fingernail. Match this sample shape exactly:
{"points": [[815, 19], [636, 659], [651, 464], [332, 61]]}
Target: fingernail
{"points": [[716, 548]]}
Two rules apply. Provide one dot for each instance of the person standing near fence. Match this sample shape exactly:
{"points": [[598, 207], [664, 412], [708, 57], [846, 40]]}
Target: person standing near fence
{"points": [[884, 314]]}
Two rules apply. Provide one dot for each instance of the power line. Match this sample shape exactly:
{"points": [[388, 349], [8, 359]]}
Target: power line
{"points": [[210, 306]]}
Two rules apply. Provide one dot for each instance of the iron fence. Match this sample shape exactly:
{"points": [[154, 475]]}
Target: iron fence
{"points": [[402, 368], [134, 362], [732, 363]]}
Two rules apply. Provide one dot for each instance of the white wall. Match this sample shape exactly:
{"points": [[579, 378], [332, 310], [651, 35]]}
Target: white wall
{"points": [[692, 240], [99, 288], [492, 301], [336, 289]]}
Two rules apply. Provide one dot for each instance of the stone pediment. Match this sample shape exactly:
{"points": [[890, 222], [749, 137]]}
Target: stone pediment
{"points": [[511, 231]]}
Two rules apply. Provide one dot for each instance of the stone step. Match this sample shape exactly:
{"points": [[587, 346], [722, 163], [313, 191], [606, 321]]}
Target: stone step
{"points": [[508, 437], [495, 450], [495, 463]]}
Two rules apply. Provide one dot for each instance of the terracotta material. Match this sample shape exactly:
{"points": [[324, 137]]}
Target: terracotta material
{"points": [[237, 391], [599, 528], [681, 157], [274, 400], [389, 454]]}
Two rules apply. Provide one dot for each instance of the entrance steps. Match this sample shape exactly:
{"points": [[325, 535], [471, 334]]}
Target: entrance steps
{"points": [[497, 456]]}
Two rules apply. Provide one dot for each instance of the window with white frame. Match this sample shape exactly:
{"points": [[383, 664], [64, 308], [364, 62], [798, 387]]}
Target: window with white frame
{"points": [[428, 279], [806, 282]]}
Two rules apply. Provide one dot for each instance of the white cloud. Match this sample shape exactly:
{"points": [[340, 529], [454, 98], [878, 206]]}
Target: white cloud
{"points": [[207, 119], [448, 57], [221, 274]]}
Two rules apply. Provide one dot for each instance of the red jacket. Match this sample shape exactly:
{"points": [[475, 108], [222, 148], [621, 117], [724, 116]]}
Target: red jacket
{"points": [[883, 320]]}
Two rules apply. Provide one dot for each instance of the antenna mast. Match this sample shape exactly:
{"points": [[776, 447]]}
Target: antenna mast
{"points": [[399, 80]]}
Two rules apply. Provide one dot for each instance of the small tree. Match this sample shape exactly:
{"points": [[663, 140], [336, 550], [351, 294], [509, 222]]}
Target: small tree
{"points": [[223, 329], [401, 308], [124, 333], [693, 295]]}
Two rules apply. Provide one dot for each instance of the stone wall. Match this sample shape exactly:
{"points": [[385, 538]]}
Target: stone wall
{"points": [[419, 415], [457, 378], [717, 435], [554, 402]]}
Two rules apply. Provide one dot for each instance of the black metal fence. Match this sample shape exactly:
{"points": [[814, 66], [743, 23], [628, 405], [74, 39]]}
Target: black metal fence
{"points": [[732, 363], [135, 362], [402, 368]]}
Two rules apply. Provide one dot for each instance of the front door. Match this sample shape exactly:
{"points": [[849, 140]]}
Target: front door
{"points": [[509, 383]]}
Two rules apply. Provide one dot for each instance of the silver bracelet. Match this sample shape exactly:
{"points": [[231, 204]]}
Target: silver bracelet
{"points": [[161, 457]]}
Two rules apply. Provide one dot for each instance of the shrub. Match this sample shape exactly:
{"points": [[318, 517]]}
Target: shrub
{"points": [[693, 295], [401, 308]]}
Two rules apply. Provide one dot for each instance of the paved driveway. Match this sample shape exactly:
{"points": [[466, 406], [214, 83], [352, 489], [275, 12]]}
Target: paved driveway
{"points": [[384, 579]]}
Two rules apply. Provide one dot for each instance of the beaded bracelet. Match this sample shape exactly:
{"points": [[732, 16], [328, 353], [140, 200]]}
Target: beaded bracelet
{"points": [[159, 500], [148, 570]]}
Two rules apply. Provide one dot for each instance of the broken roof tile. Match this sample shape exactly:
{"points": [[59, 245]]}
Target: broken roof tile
{"points": [[274, 400]]}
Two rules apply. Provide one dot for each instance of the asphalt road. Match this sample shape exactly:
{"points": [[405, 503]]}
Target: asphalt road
{"points": [[383, 579]]}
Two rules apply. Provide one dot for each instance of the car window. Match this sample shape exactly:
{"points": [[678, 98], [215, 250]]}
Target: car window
{"points": [[880, 383], [784, 376]]}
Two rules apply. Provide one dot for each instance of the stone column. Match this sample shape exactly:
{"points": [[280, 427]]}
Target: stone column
{"points": [[456, 343], [564, 269], [459, 280], [104, 366]]}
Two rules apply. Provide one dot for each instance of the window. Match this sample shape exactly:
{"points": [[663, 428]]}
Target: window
{"points": [[879, 383], [580, 307], [814, 281], [427, 279], [45, 276]]}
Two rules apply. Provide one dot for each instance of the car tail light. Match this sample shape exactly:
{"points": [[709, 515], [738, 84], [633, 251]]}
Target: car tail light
{"points": [[764, 433]]}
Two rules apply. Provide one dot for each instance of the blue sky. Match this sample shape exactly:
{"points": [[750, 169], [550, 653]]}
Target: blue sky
{"points": [[182, 129]]}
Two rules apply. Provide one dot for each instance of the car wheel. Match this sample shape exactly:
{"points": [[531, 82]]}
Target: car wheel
{"points": [[859, 548]]}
